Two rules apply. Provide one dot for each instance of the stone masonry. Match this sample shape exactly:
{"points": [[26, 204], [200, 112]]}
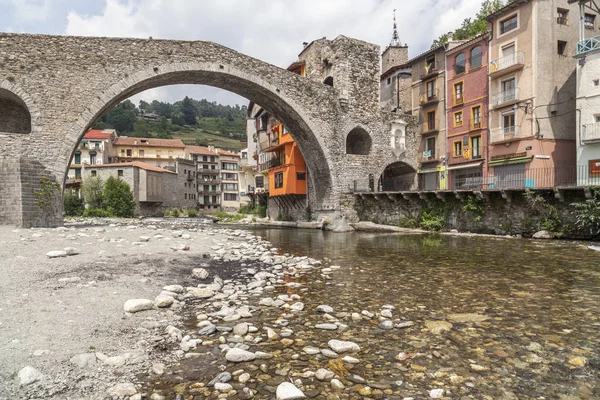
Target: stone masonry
{"points": [[52, 89]]}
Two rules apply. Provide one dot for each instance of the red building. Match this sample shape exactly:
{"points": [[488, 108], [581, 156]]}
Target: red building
{"points": [[467, 113]]}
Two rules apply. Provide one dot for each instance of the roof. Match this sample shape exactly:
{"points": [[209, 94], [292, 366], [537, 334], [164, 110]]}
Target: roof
{"points": [[227, 153], [200, 150], [96, 134], [468, 43], [510, 6], [136, 164], [148, 142], [412, 60], [390, 71]]}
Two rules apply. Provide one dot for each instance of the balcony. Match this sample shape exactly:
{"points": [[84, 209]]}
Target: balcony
{"points": [[588, 45], [427, 156], [429, 97], [272, 163], [209, 171], [505, 65], [590, 133], [429, 70], [506, 134], [430, 127], [505, 98], [215, 181], [208, 192], [458, 100]]}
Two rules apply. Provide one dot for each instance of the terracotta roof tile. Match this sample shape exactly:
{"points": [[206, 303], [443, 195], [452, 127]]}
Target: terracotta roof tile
{"points": [[149, 142], [96, 134], [137, 164], [200, 150]]}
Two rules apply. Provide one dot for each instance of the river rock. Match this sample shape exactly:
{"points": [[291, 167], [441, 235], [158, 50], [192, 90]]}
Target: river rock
{"points": [[240, 329], [329, 353], [136, 305], [174, 288], [438, 327], [200, 273], [223, 377], [71, 251], [350, 360], [239, 355], [56, 254], [207, 330], [325, 309], [163, 301], [386, 313], [543, 235], [121, 390], [299, 306], [386, 325], [246, 394], [462, 318], [356, 379], [223, 387], [243, 378], [323, 374], [288, 391], [203, 293], [28, 375], [84, 360], [436, 393], [326, 327], [311, 350], [336, 384], [340, 346]]}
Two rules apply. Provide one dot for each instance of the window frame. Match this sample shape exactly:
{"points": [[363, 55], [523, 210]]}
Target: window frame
{"points": [[473, 108], [278, 180], [471, 67], [456, 64], [472, 147], [456, 122], [564, 48], [457, 144], [509, 18], [586, 22], [427, 114], [562, 16]]}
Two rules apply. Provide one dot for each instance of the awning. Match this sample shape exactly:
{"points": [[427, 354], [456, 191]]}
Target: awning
{"points": [[461, 166], [428, 171], [510, 161]]}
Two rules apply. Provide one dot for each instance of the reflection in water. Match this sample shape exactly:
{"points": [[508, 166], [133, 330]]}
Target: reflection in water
{"points": [[542, 337]]}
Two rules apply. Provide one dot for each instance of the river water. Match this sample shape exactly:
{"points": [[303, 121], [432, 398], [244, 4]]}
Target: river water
{"points": [[476, 318]]}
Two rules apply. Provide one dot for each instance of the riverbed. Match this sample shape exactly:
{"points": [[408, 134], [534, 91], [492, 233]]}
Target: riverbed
{"points": [[434, 317]]}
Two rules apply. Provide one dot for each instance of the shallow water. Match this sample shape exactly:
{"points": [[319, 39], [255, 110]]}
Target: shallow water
{"points": [[536, 332]]}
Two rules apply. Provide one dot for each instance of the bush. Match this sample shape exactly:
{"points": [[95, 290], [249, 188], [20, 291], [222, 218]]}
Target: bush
{"points": [[93, 191], [118, 198], [74, 206], [228, 217], [247, 209], [432, 219], [192, 213], [261, 211], [587, 213], [96, 212]]}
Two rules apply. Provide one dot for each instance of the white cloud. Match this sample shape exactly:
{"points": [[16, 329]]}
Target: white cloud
{"points": [[31, 10], [273, 30]]}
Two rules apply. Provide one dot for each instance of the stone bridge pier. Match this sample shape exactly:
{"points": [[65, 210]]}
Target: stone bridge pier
{"points": [[53, 88]]}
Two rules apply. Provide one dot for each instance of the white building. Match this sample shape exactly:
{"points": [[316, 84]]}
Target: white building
{"points": [[94, 148]]}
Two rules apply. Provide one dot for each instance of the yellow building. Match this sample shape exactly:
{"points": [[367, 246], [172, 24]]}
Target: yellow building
{"points": [[158, 152]]}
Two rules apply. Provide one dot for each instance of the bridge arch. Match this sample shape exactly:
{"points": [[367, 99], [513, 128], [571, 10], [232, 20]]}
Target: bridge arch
{"points": [[358, 141], [398, 176], [303, 129], [15, 110]]}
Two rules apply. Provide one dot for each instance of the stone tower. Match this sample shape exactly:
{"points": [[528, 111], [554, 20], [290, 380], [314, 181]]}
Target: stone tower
{"points": [[395, 54]]}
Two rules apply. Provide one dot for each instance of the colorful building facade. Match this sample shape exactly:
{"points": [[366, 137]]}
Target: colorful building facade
{"points": [[158, 152], [287, 174]]}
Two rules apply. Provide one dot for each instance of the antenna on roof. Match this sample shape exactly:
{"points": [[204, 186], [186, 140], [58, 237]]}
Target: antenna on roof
{"points": [[395, 39]]}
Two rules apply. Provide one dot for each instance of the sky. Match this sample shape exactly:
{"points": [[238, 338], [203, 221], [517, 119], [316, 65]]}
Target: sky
{"points": [[270, 30]]}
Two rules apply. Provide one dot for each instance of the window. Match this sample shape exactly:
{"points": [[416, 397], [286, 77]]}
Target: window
{"points": [[458, 148], [430, 87], [230, 177], [460, 64], [430, 63], [278, 180], [128, 152], [596, 82], [230, 187], [508, 24], [92, 158], [562, 48], [561, 16], [185, 196], [508, 123], [458, 93], [597, 118], [141, 153], [476, 57], [260, 181], [230, 197], [509, 92], [476, 117], [78, 158], [301, 176], [431, 125], [589, 21], [389, 80], [230, 166], [458, 118], [94, 173], [476, 147], [119, 172], [430, 148]]}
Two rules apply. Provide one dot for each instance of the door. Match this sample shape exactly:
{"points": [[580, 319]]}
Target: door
{"points": [[510, 176], [429, 181]]}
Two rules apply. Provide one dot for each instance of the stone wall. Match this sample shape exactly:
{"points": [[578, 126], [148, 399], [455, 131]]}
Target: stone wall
{"points": [[287, 208], [491, 215]]}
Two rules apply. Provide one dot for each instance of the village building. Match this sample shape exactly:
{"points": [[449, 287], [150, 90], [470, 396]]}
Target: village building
{"points": [[157, 152]]}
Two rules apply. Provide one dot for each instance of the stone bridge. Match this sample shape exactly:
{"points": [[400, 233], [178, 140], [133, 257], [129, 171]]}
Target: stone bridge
{"points": [[53, 88]]}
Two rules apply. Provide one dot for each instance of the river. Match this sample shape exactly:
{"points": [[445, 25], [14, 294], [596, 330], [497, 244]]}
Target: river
{"points": [[475, 318]]}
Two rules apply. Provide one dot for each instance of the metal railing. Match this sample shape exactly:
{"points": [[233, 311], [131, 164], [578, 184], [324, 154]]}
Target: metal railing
{"points": [[587, 45], [208, 192], [516, 59], [590, 132], [510, 179], [507, 96], [562, 20], [429, 69], [506, 133], [430, 95], [208, 170], [213, 181], [272, 163]]}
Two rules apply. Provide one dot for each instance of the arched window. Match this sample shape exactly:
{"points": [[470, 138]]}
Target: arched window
{"points": [[358, 142], [329, 81], [459, 64], [15, 115], [476, 57]]}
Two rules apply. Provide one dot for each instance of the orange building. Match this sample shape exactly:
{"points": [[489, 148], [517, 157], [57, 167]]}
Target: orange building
{"points": [[287, 172]]}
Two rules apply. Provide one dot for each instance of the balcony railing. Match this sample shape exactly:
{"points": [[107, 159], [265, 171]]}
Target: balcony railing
{"points": [[507, 64], [475, 125], [587, 45], [562, 20], [504, 134], [430, 127], [429, 96], [209, 171], [590, 132], [429, 70], [272, 163], [505, 98], [209, 181], [458, 100], [207, 192]]}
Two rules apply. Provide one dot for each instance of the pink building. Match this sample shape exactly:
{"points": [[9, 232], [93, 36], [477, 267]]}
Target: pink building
{"points": [[467, 113]]}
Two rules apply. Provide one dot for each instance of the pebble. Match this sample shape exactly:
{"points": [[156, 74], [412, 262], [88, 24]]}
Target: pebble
{"points": [[56, 254], [163, 301], [288, 391], [340, 346], [84, 360], [437, 327], [386, 313], [239, 355], [436, 393], [350, 360], [386, 325], [28, 375], [323, 374], [243, 378], [240, 329], [122, 389], [327, 327], [200, 273], [136, 305], [325, 309], [223, 387], [336, 384]]}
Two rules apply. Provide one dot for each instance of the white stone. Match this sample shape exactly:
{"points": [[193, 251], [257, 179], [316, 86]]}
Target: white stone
{"points": [[136, 305], [299, 306], [239, 355], [350, 360], [203, 293], [311, 350], [287, 391], [174, 288], [71, 251], [340, 346], [327, 327], [115, 361], [200, 273], [337, 384], [56, 253], [163, 301], [223, 387], [325, 308], [122, 390], [84, 360], [28, 375], [436, 393], [240, 329], [386, 313], [243, 378], [323, 374]]}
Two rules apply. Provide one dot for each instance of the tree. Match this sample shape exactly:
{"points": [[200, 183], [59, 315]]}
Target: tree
{"points": [[189, 111], [118, 198], [92, 189], [74, 206], [144, 106]]}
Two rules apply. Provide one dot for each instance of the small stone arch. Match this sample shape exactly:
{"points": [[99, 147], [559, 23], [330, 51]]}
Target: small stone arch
{"points": [[328, 81], [16, 117], [358, 142], [398, 176]]}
